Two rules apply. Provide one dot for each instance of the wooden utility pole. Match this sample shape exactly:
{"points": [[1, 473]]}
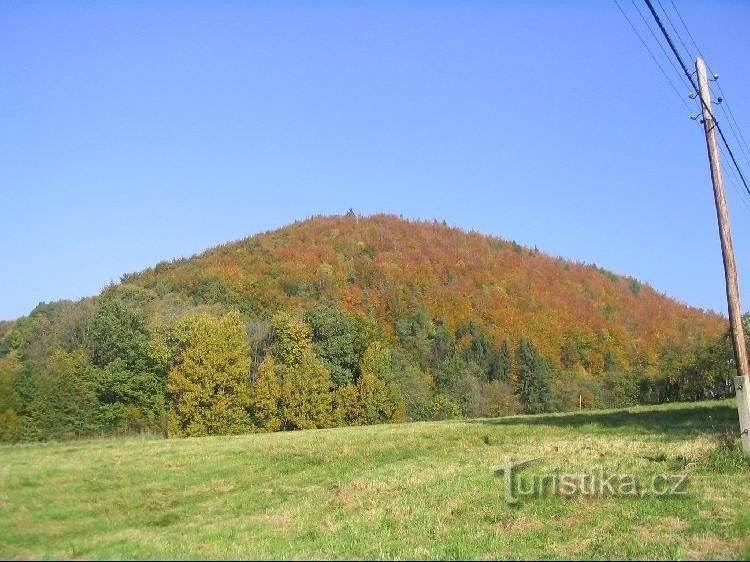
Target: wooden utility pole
{"points": [[742, 381]]}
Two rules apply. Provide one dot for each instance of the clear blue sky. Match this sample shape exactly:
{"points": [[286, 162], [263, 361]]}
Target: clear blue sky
{"points": [[134, 132]]}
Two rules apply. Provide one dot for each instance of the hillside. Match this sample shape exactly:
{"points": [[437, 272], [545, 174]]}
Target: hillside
{"points": [[346, 321], [387, 267], [423, 490]]}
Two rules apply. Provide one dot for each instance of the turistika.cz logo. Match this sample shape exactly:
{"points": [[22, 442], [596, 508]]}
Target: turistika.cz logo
{"points": [[596, 483]]}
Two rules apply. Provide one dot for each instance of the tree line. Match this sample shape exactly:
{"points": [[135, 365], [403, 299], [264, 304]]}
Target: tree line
{"points": [[115, 365]]}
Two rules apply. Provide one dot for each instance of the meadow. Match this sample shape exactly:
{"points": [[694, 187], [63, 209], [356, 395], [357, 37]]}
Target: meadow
{"points": [[414, 490]]}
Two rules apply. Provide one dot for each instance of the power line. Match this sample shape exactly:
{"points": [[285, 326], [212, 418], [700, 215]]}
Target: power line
{"points": [[666, 55], [677, 33], [686, 28], [725, 107], [653, 57], [734, 181], [690, 78], [736, 128]]}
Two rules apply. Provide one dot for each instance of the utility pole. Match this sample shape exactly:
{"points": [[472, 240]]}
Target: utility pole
{"points": [[742, 381]]}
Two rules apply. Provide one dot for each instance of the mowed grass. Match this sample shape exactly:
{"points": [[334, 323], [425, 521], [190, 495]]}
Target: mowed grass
{"points": [[419, 490]]}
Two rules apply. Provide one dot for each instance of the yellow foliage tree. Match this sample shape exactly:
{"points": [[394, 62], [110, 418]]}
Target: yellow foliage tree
{"points": [[208, 386], [265, 398], [346, 407], [10, 367], [306, 394]]}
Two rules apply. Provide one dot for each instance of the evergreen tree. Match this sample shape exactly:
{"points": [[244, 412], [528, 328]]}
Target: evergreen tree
{"points": [[533, 377], [479, 350], [208, 386], [502, 364]]}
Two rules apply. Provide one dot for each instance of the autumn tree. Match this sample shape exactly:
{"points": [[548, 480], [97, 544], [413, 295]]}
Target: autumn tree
{"points": [[497, 399], [347, 409], [265, 397], [306, 398], [306, 394], [208, 386], [10, 404], [292, 340]]}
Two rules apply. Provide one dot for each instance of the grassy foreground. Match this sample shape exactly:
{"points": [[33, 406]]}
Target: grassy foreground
{"points": [[420, 490]]}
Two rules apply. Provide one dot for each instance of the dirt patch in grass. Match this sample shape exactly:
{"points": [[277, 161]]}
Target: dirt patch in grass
{"points": [[273, 520], [711, 547]]}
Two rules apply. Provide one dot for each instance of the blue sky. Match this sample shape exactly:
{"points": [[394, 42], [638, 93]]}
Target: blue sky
{"points": [[134, 132]]}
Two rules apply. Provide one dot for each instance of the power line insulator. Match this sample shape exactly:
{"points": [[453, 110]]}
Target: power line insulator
{"points": [[693, 116], [692, 95]]}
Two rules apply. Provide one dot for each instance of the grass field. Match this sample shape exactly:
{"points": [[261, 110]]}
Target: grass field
{"points": [[419, 490]]}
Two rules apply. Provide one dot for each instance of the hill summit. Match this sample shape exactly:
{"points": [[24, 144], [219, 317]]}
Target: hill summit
{"points": [[392, 269]]}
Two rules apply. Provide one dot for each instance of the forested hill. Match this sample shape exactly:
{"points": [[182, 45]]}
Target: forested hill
{"points": [[393, 270], [349, 320]]}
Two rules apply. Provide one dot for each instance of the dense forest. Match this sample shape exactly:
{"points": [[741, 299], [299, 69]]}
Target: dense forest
{"points": [[348, 320]]}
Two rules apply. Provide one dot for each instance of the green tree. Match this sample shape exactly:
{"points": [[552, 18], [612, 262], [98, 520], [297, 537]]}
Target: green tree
{"points": [[612, 363], [265, 397], [208, 386], [620, 390], [501, 368], [131, 362], [443, 408], [334, 338], [129, 396], [380, 395], [118, 331], [64, 406], [449, 372], [533, 377], [479, 351]]}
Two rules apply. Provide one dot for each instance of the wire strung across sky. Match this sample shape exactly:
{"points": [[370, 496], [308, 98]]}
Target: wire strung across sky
{"points": [[725, 106], [683, 81], [653, 57], [734, 180], [689, 75], [734, 128], [686, 80], [724, 103]]}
